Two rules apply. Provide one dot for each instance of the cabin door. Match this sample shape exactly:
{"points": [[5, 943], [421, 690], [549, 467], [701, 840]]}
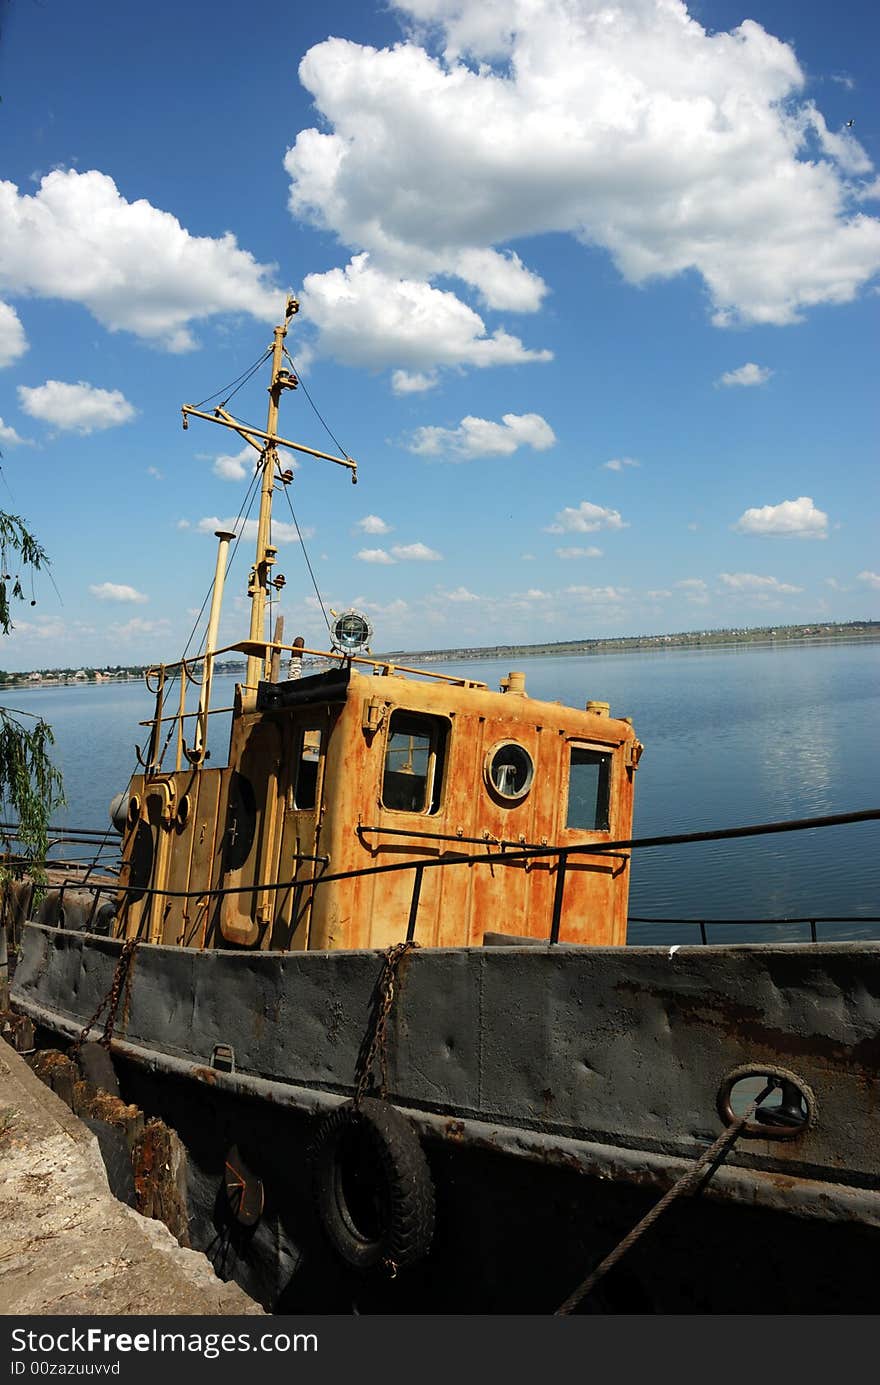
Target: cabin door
{"points": [[301, 835], [250, 855]]}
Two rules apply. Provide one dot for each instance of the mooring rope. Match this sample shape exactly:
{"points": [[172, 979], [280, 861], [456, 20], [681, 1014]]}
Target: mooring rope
{"points": [[713, 1155]]}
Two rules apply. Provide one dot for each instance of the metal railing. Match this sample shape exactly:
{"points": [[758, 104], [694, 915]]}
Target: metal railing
{"points": [[704, 924], [561, 855]]}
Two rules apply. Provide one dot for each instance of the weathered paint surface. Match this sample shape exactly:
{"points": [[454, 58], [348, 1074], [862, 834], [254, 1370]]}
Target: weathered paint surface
{"points": [[196, 822], [620, 1049]]}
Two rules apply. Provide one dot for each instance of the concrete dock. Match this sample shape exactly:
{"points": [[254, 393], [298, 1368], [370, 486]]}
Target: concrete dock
{"points": [[67, 1246]]}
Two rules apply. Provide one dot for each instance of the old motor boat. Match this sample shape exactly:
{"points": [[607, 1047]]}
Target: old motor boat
{"points": [[373, 971]]}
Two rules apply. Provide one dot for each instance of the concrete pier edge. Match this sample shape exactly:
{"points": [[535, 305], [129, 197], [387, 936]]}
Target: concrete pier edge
{"points": [[67, 1246]]}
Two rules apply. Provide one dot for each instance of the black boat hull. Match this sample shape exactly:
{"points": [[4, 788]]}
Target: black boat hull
{"points": [[557, 1091]]}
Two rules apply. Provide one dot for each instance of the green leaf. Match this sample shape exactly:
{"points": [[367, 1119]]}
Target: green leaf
{"points": [[31, 787]]}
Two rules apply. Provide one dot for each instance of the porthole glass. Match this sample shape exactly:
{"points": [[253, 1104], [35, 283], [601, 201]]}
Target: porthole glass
{"points": [[509, 771]]}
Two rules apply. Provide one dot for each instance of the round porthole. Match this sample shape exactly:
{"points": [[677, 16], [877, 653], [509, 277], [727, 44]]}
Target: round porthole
{"points": [[509, 771]]}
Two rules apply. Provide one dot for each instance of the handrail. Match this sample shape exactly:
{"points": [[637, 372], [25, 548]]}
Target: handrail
{"points": [[560, 853], [704, 923], [387, 666], [261, 649]]}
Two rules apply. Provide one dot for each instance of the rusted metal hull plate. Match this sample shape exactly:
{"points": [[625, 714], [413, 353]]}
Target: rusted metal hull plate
{"points": [[549, 1052]]}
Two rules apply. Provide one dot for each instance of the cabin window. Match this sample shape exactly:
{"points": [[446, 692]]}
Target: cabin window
{"points": [[308, 756], [589, 790], [413, 774], [509, 770]]}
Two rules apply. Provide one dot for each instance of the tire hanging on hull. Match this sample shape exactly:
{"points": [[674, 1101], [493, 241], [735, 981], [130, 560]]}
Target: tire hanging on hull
{"points": [[372, 1188]]}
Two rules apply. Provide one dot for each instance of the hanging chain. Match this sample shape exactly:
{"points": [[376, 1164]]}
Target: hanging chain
{"points": [[377, 1047], [112, 997]]}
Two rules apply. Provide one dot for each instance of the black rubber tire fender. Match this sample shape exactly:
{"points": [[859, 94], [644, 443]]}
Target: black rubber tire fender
{"points": [[372, 1188], [117, 1160], [96, 1066]]}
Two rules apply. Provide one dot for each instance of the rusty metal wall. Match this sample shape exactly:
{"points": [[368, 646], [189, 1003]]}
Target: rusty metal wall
{"points": [[459, 903], [186, 816], [623, 1047]]}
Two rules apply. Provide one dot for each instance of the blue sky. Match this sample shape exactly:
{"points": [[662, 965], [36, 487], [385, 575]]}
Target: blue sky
{"points": [[589, 291]]}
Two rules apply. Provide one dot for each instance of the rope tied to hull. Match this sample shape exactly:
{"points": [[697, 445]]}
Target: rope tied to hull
{"points": [[111, 999], [713, 1156]]}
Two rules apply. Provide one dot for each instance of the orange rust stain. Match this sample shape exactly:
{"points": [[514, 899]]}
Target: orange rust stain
{"points": [[353, 824]]}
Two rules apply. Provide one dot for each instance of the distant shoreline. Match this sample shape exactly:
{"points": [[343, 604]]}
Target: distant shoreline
{"points": [[851, 632], [855, 632]]}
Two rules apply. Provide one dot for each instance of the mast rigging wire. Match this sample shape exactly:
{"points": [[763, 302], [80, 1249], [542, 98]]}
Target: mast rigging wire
{"points": [[315, 409], [239, 379], [305, 553], [250, 496]]}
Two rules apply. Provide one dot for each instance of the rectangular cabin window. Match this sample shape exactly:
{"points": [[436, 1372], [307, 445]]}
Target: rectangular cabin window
{"points": [[305, 788], [589, 790], [413, 773]]}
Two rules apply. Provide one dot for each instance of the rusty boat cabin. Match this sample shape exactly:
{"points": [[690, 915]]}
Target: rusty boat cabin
{"points": [[370, 803]]}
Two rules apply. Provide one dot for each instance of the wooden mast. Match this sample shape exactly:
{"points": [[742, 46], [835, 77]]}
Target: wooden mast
{"points": [[266, 443], [260, 574]]}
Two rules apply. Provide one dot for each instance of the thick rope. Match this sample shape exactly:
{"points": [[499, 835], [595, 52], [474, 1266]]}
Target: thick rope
{"points": [[713, 1155]]}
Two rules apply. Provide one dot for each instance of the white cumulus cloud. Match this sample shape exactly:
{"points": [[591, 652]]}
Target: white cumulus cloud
{"points": [[585, 518], [618, 463], [480, 437], [9, 435], [373, 524], [138, 626], [132, 265], [375, 555], [235, 467], [756, 585], [626, 124], [116, 591], [366, 316], [871, 579], [413, 382], [746, 375], [247, 529], [13, 342], [579, 553], [790, 519], [80, 408], [415, 553], [598, 596], [695, 590]]}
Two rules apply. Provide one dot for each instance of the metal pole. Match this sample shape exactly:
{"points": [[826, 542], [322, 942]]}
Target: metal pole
{"points": [[414, 903], [201, 735], [265, 556], [561, 867], [156, 730]]}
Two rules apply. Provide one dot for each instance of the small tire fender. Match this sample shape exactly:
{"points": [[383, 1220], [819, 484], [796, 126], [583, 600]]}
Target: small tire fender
{"points": [[372, 1188]]}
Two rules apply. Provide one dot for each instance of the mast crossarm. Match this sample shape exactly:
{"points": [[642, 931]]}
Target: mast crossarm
{"points": [[250, 433], [241, 430]]}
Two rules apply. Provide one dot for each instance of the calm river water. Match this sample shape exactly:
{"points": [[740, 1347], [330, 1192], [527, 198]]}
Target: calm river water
{"points": [[742, 735]]}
